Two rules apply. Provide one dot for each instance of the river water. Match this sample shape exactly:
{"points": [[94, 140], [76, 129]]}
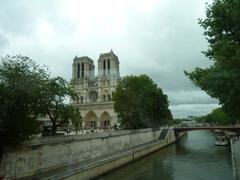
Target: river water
{"points": [[194, 157]]}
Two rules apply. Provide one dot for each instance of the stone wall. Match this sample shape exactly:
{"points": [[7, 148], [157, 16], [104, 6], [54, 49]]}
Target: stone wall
{"points": [[44, 154], [235, 149]]}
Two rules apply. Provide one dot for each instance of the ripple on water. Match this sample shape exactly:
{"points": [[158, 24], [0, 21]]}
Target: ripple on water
{"points": [[195, 157]]}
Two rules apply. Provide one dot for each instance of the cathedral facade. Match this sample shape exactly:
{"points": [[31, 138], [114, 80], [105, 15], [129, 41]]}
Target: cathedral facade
{"points": [[94, 92]]}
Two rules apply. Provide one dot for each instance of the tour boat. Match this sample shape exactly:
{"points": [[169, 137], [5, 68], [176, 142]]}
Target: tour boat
{"points": [[221, 141]]}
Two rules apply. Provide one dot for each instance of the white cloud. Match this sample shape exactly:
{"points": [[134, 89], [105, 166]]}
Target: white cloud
{"points": [[183, 110], [160, 38], [189, 97]]}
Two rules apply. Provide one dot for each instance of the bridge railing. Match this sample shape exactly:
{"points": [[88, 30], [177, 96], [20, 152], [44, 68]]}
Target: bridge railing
{"points": [[207, 127]]}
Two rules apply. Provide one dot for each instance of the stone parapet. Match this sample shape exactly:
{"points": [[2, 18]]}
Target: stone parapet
{"points": [[50, 153], [235, 149]]}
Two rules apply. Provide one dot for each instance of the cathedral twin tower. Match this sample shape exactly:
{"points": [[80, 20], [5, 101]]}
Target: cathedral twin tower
{"points": [[108, 65], [95, 92]]}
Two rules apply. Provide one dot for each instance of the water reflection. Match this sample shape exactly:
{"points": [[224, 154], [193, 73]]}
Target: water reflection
{"points": [[195, 157]]}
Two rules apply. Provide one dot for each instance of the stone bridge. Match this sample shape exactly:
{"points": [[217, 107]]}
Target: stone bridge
{"points": [[191, 128]]}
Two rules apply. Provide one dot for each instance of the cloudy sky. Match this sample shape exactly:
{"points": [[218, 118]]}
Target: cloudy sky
{"points": [[160, 38]]}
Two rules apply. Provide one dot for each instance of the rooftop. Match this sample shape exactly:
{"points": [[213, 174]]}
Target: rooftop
{"points": [[83, 58]]}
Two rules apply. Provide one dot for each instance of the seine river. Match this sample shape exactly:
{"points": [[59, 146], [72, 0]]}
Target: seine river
{"points": [[194, 157]]}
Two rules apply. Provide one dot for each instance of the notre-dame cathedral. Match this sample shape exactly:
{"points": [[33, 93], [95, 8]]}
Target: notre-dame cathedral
{"points": [[95, 92]]}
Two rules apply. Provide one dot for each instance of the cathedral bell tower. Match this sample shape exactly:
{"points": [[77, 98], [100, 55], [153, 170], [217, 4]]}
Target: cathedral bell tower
{"points": [[82, 68], [108, 65]]}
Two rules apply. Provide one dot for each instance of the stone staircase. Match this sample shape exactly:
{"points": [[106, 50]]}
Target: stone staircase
{"points": [[163, 134]]}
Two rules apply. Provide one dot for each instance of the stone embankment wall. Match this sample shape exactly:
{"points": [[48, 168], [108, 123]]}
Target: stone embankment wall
{"points": [[47, 156], [235, 149]]}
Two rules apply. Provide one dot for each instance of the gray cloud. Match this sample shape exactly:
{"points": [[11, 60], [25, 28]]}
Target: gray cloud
{"points": [[189, 97], [157, 38], [20, 17], [15, 17], [179, 111], [3, 40]]}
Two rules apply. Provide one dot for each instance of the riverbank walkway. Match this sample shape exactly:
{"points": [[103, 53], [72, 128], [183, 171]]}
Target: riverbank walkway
{"points": [[235, 148]]}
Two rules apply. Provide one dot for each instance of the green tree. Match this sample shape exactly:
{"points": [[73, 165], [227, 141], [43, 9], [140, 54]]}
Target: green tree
{"points": [[217, 116], [71, 114], [140, 103], [76, 119], [21, 82], [56, 92], [201, 119], [222, 79]]}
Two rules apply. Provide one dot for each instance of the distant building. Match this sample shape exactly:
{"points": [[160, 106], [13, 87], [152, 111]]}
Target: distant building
{"points": [[190, 118], [189, 122], [94, 93]]}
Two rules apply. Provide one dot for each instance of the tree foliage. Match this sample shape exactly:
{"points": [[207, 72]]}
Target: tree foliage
{"points": [[56, 92], [75, 118], [21, 84], [26, 93], [217, 116], [140, 103], [222, 79]]}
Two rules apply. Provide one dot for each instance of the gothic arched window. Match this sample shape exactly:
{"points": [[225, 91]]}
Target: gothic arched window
{"points": [[109, 97], [82, 69], [104, 67], [108, 66], [78, 70], [93, 96]]}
